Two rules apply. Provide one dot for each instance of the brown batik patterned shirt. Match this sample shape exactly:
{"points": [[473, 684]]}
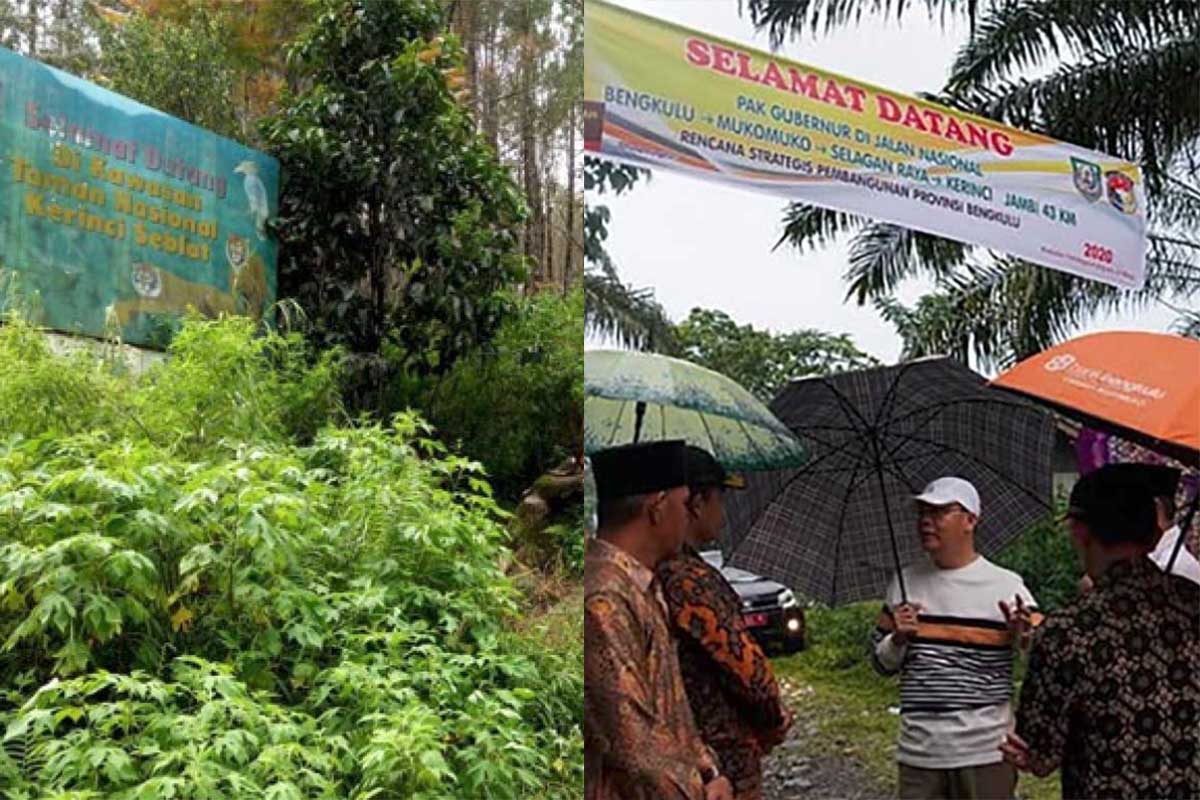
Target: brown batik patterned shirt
{"points": [[1113, 690], [640, 742], [733, 693]]}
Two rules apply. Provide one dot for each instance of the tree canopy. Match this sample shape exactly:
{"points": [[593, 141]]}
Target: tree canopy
{"points": [[761, 361], [398, 225]]}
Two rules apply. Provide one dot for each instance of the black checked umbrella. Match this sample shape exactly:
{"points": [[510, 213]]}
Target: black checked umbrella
{"points": [[839, 526]]}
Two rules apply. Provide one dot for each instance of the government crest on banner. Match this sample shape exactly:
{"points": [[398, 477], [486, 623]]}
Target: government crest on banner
{"points": [[1087, 178], [1120, 192]]}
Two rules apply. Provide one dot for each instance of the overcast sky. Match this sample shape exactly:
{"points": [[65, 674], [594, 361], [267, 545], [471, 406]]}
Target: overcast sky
{"points": [[702, 244]]}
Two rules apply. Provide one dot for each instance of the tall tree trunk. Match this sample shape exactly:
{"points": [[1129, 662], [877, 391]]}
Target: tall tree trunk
{"points": [[533, 228], [549, 157], [548, 187], [463, 21], [471, 41], [569, 252], [529, 155], [244, 116], [377, 233], [31, 21], [375, 342], [491, 94]]}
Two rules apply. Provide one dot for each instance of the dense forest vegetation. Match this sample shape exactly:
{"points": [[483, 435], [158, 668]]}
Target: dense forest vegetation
{"points": [[283, 562]]}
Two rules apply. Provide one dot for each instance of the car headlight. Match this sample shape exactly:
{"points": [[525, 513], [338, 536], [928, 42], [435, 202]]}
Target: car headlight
{"points": [[787, 599]]}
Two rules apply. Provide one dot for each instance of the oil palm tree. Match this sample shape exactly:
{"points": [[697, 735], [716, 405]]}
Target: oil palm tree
{"points": [[629, 315], [1122, 78], [612, 308]]}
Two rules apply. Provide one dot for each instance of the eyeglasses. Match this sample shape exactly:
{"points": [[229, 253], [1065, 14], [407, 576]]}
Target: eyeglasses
{"points": [[937, 512]]}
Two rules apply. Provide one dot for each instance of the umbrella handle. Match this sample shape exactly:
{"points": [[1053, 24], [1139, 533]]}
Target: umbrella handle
{"points": [[1183, 529], [640, 411]]}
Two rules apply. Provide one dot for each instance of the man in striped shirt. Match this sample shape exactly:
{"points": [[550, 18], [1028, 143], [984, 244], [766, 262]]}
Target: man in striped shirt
{"points": [[951, 634]]}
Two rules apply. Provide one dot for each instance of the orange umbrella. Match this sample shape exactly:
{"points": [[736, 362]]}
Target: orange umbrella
{"points": [[1144, 387]]}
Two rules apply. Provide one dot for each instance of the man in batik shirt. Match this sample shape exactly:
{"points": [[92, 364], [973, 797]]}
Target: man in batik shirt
{"points": [[640, 741], [1113, 692], [729, 683]]}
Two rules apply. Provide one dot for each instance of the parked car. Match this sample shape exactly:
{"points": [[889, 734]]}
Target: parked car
{"points": [[769, 609]]}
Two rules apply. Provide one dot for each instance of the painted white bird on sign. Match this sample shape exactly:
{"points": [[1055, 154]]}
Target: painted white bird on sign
{"points": [[256, 195]]}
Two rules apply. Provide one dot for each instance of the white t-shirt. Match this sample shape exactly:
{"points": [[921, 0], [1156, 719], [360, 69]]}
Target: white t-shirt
{"points": [[956, 674], [1185, 565]]}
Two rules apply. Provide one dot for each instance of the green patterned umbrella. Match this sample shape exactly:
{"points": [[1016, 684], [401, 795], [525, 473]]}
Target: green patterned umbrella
{"points": [[631, 397]]}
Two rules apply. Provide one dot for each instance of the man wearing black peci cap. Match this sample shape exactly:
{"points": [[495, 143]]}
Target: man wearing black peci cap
{"points": [[1162, 481], [1113, 693], [640, 740], [729, 681]]}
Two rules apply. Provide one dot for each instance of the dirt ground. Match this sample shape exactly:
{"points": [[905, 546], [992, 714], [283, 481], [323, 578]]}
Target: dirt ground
{"points": [[805, 767]]}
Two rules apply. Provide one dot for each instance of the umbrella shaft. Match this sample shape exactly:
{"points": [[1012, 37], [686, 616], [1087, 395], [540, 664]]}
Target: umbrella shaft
{"points": [[1184, 526], [640, 411], [887, 513]]}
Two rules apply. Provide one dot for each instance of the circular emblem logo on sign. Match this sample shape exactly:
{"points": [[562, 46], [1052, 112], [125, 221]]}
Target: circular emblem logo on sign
{"points": [[1120, 192], [1059, 363], [147, 281]]}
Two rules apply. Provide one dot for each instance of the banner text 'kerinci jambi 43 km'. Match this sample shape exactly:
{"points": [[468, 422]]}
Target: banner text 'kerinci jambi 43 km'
{"points": [[663, 96]]}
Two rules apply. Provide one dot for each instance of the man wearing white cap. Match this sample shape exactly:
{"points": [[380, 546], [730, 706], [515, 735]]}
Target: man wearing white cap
{"points": [[952, 641]]}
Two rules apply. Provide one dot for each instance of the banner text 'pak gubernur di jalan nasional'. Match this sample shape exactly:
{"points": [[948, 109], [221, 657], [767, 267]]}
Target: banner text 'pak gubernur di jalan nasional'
{"points": [[114, 213], [663, 96]]}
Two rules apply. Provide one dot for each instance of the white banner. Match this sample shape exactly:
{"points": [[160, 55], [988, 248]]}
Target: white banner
{"points": [[663, 96]]}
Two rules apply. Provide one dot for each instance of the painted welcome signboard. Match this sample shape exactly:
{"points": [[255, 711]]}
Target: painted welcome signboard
{"points": [[116, 214]]}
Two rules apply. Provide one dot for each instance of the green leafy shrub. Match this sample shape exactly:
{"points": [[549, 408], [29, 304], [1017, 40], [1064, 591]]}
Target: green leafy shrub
{"points": [[1046, 560], [217, 600], [42, 392], [222, 381], [839, 638], [517, 405], [568, 543]]}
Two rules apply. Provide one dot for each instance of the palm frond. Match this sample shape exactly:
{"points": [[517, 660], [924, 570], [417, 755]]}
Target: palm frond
{"points": [[883, 255], [1008, 309], [1188, 324], [1014, 308], [1017, 36], [1176, 206], [1173, 264], [1138, 104], [631, 316], [806, 226], [790, 19], [933, 327]]}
